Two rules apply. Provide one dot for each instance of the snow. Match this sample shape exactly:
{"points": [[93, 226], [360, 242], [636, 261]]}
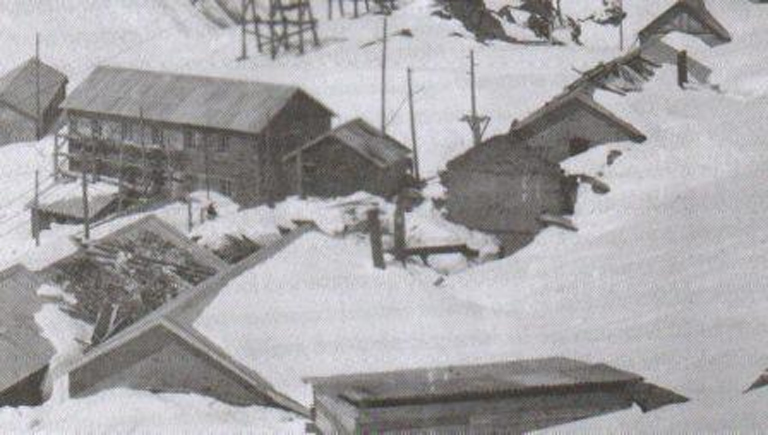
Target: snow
{"points": [[665, 277]]}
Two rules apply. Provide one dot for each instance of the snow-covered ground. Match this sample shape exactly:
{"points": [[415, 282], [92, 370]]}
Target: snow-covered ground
{"points": [[664, 278]]}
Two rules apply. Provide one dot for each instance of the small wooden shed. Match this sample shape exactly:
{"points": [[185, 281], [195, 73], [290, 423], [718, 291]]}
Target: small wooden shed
{"points": [[503, 187], [508, 397], [571, 124], [24, 117], [690, 17], [24, 352], [352, 157]]}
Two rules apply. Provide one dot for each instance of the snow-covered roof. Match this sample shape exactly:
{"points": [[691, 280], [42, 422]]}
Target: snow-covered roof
{"points": [[502, 156], [366, 140], [18, 87], [214, 102], [302, 315], [555, 110]]}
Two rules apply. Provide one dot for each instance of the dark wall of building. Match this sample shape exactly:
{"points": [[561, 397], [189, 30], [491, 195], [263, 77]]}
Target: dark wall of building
{"points": [[15, 127], [28, 392], [503, 202], [246, 167], [332, 169], [556, 143], [157, 361]]}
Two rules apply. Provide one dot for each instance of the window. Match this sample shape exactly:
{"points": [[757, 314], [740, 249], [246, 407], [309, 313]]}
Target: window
{"points": [[95, 128], [223, 145], [189, 142], [73, 125], [199, 140], [157, 136], [127, 132]]}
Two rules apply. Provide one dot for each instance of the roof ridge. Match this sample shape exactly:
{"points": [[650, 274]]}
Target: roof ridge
{"points": [[293, 88]]}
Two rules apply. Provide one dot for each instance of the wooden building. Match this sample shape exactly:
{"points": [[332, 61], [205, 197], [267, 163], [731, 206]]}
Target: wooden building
{"points": [[163, 352], [157, 132], [24, 352], [503, 187], [690, 17], [30, 95], [352, 157], [501, 398], [571, 124]]}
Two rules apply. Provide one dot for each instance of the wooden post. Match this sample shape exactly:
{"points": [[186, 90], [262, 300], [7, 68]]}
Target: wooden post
{"points": [[399, 231], [142, 142], [384, 79], [682, 68], [621, 26], [377, 248], [206, 162], [330, 10], [120, 174], [412, 110], [244, 29], [301, 28], [300, 175], [86, 211], [190, 223], [473, 89], [56, 145], [356, 9], [38, 123], [36, 210]]}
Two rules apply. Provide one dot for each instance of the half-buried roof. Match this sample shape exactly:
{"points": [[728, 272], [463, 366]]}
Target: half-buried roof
{"points": [[691, 17], [212, 102]]}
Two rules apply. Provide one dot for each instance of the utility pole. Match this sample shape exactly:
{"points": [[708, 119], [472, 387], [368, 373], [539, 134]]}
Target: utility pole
{"points": [[38, 123], [412, 110], [244, 30], [621, 25], [86, 211], [478, 124], [384, 80], [36, 210], [207, 167]]}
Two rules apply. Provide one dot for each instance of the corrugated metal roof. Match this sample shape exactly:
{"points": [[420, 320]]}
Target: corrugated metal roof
{"points": [[213, 102], [444, 383], [23, 351], [366, 140], [18, 87]]}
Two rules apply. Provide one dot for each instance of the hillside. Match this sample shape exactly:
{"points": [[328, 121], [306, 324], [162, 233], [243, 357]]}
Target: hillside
{"points": [[665, 276]]}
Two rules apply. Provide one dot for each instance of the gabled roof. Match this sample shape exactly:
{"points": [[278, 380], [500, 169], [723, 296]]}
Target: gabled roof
{"points": [[552, 113], [472, 382], [500, 155], [177, 316], [711, 31], [23, 351], [18, 87], [366, 140], [214, 102]]}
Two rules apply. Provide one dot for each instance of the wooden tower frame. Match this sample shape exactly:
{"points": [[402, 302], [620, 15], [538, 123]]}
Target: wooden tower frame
{"points": [[286, 27]]}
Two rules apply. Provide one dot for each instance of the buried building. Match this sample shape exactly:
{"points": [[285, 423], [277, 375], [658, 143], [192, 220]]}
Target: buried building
{"points": [[689, 17], [352, 157], [503, 187], [508, 397], [571, 124], [30, 95], [164, 133], [24, 352]]}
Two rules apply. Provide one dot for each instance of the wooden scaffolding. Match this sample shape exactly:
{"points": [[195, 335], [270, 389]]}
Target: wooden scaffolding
{"points": [[286, 26], [381, 7], [139, 170]]}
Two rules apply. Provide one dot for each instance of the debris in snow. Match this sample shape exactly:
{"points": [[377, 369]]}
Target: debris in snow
{"points": [[613, 155]]}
